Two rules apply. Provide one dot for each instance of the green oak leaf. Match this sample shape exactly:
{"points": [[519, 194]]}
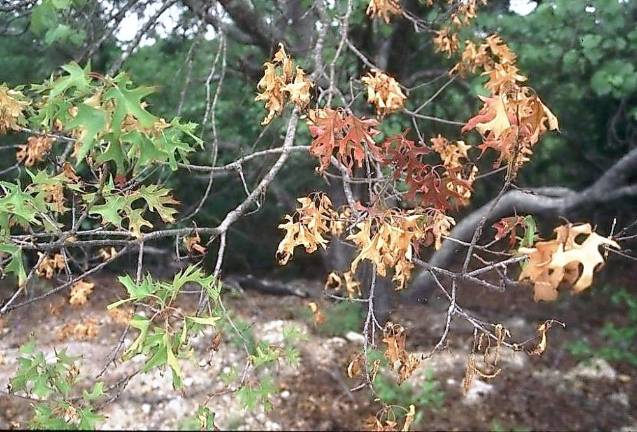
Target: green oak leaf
{"points": [[129, 102], [158, 200], [16, 263], [90, 121]]}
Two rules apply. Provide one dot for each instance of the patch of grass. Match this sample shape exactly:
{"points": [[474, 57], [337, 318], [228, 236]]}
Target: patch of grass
{"points": [[426, 395], [620, 344], [341, 318]]}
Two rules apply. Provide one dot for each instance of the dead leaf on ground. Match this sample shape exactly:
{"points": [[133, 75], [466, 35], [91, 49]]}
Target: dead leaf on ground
{"points": [[80, 292]]}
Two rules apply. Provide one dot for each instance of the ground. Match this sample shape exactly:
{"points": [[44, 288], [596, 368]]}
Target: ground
{"points": [[554, 391]]}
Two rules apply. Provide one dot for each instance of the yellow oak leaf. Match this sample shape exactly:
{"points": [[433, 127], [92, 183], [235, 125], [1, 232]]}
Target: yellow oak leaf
{"points": [[587, 254], [383, 92], [299, 90]]}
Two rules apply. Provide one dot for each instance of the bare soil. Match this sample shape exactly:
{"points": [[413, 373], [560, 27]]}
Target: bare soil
{"points": [[549, 392]]}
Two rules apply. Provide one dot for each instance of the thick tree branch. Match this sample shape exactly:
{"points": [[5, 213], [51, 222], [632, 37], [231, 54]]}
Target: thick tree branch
{"points": [[618, 182]]}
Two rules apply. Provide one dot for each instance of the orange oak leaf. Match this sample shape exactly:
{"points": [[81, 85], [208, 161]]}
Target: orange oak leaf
{"points": [[342, 135]]}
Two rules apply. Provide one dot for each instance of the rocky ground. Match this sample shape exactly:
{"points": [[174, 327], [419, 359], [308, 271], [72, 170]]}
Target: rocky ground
{"points": [[551, 392]]}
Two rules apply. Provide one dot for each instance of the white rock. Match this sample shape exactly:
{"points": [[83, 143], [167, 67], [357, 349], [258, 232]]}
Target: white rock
{"points": [[272, 331], [176, 406], [515, 359], [272, 426], [621, 398], [516, 323], [355, 337], [596, 369], [146, 408], [285, 394], [478, 390]]}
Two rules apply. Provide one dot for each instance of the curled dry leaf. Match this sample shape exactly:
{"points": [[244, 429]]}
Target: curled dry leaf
{"points": [[387, 420], [394, 336], [383, 92], [460, 174], [391, 239], [384, 9], [299, 90], [511, 125], [280, 82], [490, 345], [319, 318], [69, 172], [487, 56], [542, 330], [564, 260], [192, 243], [352, 286], [409, 418], [339, 221], [306, 227], [50, 265], [12, 106], [35, 150], [80, 292], [106, 254], [453, 154], [446, 41], [53, 194], [464, 12], [356, 366], [335, 282]]}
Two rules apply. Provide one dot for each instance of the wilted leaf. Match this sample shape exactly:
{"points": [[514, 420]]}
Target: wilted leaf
{"points": [[409, 418], [35, 150], [50, 265], [384, 9], [319, 318], [559, 260], [12, 106], [192, 243], [383, 92], [80, 292], [394, 336]]}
